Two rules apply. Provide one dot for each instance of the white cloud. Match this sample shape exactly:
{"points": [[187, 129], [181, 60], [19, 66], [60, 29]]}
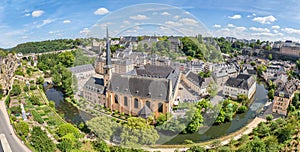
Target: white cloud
{"points": [[265, 20], [139, 17], [275, 31], [171, 23], [27, 14], [230, 25], [126, 22], [252, 15], [266, 34], [237, 16], [45, 22], [241, 28], [51, 32], [165, 13], [188, 21], [258, 29], [176, 17], [217, 26], [291, 31], [66, 21], [101, 11], [275, 27], [37, 13], [85, 31]]}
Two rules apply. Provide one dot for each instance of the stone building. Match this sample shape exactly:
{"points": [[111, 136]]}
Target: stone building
{"points": [[197, 83], [242, 84], [283, 96], [8, 65]]}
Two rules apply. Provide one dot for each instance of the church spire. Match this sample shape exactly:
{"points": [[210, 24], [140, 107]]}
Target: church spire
{"points": [[108, 58]]}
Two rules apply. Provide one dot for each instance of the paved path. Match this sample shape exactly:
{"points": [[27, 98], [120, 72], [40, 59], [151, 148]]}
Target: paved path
{"points": [[14, 142]]}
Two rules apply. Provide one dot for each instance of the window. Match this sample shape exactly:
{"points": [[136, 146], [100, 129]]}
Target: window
{"points": [[160, 107], [136, 103], [148, 104], [125, 101], [116, 99]]}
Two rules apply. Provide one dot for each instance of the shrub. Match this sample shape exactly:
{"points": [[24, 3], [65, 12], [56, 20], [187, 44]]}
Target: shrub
{"points": [[242, 109], [37, 117]]}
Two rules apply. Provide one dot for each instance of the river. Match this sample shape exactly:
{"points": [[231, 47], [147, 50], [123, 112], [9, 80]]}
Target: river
{"points": [[238, 122], [70, 112], [75, 116]]}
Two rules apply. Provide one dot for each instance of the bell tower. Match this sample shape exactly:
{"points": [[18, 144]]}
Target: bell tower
{"points": [[108, 66]]}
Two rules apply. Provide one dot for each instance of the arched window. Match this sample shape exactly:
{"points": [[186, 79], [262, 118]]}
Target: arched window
{"points": [[125, 101], [148, 104], [160, 107], [116, 99], [136, 103]]}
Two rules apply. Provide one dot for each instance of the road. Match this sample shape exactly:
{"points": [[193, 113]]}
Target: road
{"points": [[14, 142]]}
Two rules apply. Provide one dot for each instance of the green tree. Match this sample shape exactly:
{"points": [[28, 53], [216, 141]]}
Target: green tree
{"points": [[40, 141], [66, 58], [242, 109], [196, 149], [102, 126], [269, 117], [40, 80], [22, 128], [101, 146], [16, 90], [67, 128], [271, 94], [137, 132]]}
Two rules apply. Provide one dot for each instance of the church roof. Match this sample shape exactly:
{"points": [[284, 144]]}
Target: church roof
{"points": [[145, 112], [145, 87]]}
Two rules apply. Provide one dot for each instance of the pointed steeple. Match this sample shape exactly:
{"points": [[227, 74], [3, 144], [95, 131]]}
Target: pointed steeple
{"points": [[108, 58]]}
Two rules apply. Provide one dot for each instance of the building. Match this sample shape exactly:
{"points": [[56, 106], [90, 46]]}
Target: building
{"points": [[83, 71], [152, 86], [8, 65], [290, 48], [242, 84], [94, 91], [197, 83], [283, 96]]}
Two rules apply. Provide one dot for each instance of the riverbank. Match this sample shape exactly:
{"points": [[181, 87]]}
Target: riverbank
{"points": [[209, 144]]}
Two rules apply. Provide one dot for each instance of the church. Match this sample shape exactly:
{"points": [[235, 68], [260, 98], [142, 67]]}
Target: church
{"points": [[146, 90]]}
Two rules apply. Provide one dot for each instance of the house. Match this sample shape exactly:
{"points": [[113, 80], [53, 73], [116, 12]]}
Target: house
{"points": [[94, 90], [242, 84], [283, 96], [197, 83], [83, 71]]}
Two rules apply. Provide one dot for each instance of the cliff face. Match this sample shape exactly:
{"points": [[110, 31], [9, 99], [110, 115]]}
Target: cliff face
{"points": [[8, 66]]}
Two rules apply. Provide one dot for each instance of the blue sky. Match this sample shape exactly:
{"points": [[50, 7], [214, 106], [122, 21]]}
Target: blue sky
{"points": [[36, 20]]}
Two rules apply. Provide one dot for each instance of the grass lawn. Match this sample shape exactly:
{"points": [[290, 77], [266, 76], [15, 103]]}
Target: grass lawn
{"points": [[87, 146]]}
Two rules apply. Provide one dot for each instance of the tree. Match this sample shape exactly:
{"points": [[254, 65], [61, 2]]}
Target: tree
{"points": [[137, 132], [196, 149], [271, 94], [262, 130], [101, 146], [260, 69], [16, 90], [271, 144], [64, 129], [34, 100], [102, 126], [40, 80], [66, 58], [25, 88], [52, 104], [242, 109], [269, 117], [22, 128], [196, 122], [256, 145], [270, 56], [40, 141], [64, 146]]}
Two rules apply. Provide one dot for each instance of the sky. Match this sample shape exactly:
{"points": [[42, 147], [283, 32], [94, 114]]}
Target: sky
{"points": [[36, 20]]}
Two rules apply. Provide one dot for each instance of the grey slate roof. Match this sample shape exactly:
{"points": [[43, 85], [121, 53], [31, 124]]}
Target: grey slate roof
{"points": [[242, 81], [145, 112], [146, 87], [288, 88], [96, 85], [198, 80], [155, 71], [82, 68]]}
